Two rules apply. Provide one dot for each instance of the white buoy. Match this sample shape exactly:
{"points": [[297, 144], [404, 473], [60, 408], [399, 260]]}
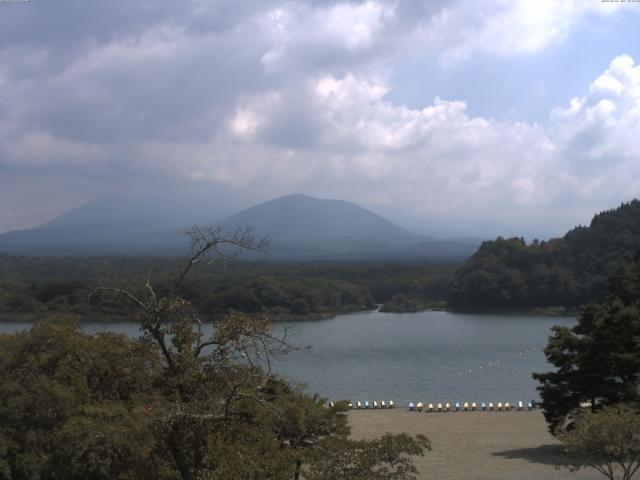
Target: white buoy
{"points": [[359, 404], [375, 404], [447, 407], [430, 407], [439, 407], [391, 405], [466, 406], [499, 406], [382, 404], [473, 406], [519, 404], [491, 406], [412, 407], [420, 406]]}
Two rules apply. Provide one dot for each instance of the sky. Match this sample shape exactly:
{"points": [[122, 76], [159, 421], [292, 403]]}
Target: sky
{"points": [[448, 117]]}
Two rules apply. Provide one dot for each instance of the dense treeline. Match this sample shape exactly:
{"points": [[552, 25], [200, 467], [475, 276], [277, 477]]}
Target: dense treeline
{"points": [[174, 403], [591, 399], [45, 285], [598, 360], [569, 271], [291, 296]]}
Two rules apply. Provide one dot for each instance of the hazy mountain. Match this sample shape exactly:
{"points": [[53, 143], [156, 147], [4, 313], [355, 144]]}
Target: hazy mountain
{"points": [[168, 210], [299, 227], [302, 217], [131, 224]]}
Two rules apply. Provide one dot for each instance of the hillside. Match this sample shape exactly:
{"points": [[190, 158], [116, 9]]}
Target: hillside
{"points": [[568, 271], [303, 227], [128, 224], [300, 217], [299, 227]]}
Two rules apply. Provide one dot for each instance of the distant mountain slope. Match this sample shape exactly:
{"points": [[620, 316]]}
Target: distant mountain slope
{"points": [[299, 226], [164, 210], [303, 227], [299, 216], [568, 271], [130, 224]]}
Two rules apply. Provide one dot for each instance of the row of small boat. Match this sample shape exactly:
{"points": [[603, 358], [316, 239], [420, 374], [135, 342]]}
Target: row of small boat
{"points": [[375, 404], [471, 407]]}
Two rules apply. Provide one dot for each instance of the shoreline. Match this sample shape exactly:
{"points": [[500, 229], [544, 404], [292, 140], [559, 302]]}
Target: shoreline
{"points": [[474, 445], [286, 318]]}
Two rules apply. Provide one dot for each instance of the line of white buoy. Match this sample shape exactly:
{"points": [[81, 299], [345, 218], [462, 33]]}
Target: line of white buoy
{"points": [[498, 362]]}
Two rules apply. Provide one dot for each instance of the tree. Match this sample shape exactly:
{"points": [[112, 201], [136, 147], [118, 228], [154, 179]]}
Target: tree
{"points": [[598, 360], [386, 458], [608, 441], [77, 406], [174, 403]]}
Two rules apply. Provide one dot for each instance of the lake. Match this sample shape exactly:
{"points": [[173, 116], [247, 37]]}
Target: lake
{"points": [[425, 356]]}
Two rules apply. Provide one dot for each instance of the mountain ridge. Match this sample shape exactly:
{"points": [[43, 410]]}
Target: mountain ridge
{"points": [[299, 226]]}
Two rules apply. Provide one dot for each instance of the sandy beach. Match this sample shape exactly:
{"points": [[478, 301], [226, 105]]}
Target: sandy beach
{"points": [[475, 445]]}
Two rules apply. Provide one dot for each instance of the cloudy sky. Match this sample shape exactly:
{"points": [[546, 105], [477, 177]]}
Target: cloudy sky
{"points": [[481, 117]]}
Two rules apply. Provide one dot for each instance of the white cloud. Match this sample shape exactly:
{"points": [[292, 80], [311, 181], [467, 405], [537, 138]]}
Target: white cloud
{"points": [[503, 27], [253, 114], [599, 133], [295, 96], [341, 27], [439, 158], [355, 25]]}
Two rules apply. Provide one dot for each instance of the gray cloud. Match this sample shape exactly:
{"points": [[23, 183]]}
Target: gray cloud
{"points": [[264, 98]]}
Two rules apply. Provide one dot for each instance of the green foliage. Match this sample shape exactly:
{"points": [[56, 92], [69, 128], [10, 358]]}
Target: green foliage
{"points": [[598, 360], [569, 271], [409, 302], [32, 286], [73, 405], [295, 296], [173, 403], [608, 441], [387, 458]]}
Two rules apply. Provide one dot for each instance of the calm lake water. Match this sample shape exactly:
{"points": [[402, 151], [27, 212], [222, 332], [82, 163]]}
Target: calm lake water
{"points": [[426, 356]]}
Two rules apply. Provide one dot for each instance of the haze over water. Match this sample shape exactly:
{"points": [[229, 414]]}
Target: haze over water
{"points": [[425, 356]]}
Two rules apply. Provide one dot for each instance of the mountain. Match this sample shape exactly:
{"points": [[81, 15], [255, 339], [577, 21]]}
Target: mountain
{"points": [[303, 227], [300, 217], [568, 271], [299, 227], [127, 224]]}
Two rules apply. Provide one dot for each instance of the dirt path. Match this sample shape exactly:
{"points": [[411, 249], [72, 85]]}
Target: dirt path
{"points": [[475, 445]]}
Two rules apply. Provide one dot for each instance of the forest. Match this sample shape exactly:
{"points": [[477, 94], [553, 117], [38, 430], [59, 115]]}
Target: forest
{"points": [[570, 271], [31, 286], [174, 403], [506, 273]]}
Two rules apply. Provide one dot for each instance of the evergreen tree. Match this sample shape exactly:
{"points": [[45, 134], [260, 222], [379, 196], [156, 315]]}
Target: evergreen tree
{"points": [[598, 360]]}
